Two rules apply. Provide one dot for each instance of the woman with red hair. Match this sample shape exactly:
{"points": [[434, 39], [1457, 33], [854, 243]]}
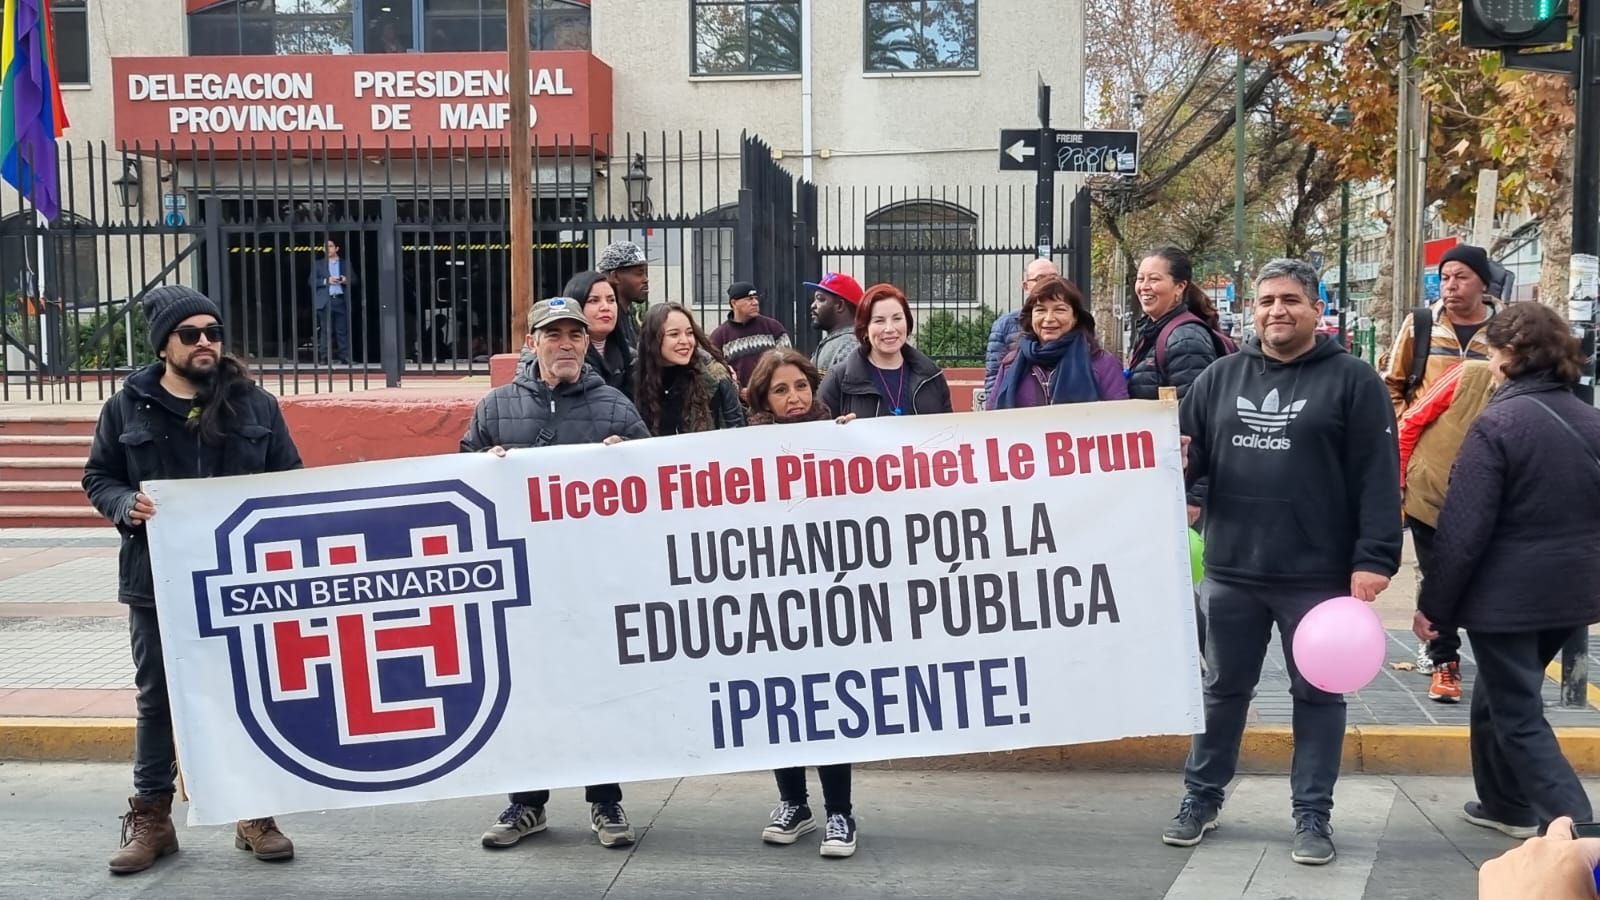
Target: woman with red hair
{"points": [[886, 376]]}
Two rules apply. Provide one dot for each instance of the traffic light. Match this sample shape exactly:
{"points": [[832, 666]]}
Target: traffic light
{"points": [[1502, 24]]}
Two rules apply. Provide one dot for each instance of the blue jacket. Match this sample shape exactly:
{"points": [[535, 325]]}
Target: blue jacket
{"points": [[1005, 328]]}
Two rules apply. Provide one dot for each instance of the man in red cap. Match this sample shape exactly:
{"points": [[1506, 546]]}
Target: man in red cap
{"points": [[833, 312]]}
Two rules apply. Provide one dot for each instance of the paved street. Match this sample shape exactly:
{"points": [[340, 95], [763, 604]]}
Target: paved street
{"points": [[922, 835]]}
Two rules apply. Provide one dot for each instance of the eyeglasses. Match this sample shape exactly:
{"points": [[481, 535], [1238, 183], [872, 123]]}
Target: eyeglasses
{"points": [[190, 334]]}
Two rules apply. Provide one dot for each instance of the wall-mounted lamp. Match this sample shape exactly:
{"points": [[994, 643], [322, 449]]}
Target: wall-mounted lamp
{"points": [[637, 182], [130, 187]]}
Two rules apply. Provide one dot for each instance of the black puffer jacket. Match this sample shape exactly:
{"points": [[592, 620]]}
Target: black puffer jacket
{"points": [[1515, 547], [615, 366], [851, 388], [1190, 349], [142, 437], [529, 413]]}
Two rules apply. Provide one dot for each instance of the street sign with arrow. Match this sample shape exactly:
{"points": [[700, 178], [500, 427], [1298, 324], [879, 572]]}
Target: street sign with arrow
{"points": [[1087, 152]]}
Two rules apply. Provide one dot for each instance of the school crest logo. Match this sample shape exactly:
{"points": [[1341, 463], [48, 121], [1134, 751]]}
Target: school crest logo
{"points": [[366, 629]]}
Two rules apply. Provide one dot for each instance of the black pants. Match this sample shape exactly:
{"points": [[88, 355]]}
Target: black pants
{"points": [[331, 332], [1520, 773], [1446, 648], [594, 793], [155, 755], [835, 787]]}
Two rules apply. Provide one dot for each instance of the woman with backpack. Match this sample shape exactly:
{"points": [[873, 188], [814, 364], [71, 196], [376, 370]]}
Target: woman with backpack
{"points": [[1179, 334]]}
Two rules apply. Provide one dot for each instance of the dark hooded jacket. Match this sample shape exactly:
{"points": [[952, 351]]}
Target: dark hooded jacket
{"points": [[143, 436], [1303, 463], [1514, 551], [529, 413], [851, 388], [615, 365]]}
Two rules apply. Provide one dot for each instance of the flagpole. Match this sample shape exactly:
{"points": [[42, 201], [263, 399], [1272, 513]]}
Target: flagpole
{"points": [[39, 288]]}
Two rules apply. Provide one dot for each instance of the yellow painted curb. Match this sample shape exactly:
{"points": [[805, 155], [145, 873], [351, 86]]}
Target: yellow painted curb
{"points": [[44, 739], [1267, 749], [1553, 672]]}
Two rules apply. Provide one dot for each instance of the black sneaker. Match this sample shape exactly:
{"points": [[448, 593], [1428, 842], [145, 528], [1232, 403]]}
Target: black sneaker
{"points": [[840, 839], [610, 824], [1313, 840], [517, 822], [1195, 817], [789, 822], [1473, 812]]}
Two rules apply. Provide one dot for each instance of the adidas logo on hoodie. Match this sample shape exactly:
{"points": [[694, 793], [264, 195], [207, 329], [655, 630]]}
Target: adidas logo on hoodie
{"points": [[1267, 422]]}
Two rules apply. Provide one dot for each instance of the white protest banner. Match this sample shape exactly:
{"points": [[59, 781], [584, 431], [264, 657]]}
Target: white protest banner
{"points": [[452, 626]]}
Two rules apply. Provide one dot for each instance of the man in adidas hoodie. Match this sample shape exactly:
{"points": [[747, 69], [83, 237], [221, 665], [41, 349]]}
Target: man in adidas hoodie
{"points": [[1298, 440]]}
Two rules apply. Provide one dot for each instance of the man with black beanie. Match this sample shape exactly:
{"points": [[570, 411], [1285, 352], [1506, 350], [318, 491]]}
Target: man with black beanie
{"points": [[195, 413], [1431, 342], [746, 334]]}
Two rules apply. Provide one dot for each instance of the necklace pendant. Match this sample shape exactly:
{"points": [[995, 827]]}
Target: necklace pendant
{"points": [[898, 411]]}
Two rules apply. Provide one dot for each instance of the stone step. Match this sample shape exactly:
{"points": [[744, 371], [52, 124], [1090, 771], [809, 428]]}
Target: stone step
{"points": [[50, 517], [50, 423], [73, 446], [42, 493], [41, 468]]}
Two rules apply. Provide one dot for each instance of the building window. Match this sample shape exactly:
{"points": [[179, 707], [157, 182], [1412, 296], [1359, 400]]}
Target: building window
{"points": [[921, 35], [714, 243], [926, 248], [464, 26], [273, 27], [70, 22], [71, 261], [746, 37]]}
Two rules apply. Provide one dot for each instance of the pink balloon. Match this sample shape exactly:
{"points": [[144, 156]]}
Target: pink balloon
{"points": [[1340, 645]]}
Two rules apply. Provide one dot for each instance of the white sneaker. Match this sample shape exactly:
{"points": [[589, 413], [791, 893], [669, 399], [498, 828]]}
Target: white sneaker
{"points": [[517, 822], [1424, 661], [840, 839]]}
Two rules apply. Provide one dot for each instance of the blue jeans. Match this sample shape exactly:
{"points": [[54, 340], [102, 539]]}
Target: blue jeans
{"points": [[1239, 620]]}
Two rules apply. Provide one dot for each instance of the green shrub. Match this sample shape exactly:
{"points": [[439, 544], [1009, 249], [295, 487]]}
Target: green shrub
{"points": [[956, 340]]}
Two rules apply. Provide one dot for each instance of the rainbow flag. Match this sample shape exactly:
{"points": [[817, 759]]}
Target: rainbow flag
{"points": [[31, 113]]}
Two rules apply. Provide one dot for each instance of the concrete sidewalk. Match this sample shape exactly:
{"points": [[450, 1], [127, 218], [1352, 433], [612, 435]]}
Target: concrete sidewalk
{"points": [[66, 680]]}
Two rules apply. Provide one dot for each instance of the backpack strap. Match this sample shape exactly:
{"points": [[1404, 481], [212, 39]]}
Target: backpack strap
{"points": [[1224, 345], [1421, 343]]}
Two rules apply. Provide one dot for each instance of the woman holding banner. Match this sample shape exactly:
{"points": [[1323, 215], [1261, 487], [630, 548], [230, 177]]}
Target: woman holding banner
{"points": [[886, 376], [682, 384], [783, 390], [1056, 358]]}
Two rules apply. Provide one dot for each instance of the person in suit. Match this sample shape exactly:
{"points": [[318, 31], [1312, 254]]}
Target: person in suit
{"points": [[331, 282]]}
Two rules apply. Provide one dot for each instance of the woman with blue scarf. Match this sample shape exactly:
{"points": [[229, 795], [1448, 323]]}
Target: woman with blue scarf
{"points": [[1056, 358]]}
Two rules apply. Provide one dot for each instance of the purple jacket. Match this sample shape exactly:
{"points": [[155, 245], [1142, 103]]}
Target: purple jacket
{"points": [[1109, 380]]}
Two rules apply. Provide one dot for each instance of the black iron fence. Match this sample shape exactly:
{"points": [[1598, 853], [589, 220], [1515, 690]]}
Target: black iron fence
{"points": [[957, 252], [422, 230]]}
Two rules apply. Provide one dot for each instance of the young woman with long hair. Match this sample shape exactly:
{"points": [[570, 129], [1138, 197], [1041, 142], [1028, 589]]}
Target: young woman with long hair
{"points": [[783, 390], [611, 358], [682, 385]]}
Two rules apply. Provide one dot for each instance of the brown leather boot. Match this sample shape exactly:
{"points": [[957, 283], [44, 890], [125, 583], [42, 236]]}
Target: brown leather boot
{"points": [[147, 835], [262, 837]]}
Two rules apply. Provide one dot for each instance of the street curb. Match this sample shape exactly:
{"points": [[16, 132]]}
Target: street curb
{"points": [[1267, 749]]}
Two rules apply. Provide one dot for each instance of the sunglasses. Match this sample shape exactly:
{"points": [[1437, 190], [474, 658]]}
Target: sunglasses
{"points": [[190, 334]]}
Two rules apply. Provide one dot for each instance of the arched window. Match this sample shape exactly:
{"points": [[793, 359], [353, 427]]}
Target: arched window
{"points": [[924, 247], [70, 261], [713, 242]]}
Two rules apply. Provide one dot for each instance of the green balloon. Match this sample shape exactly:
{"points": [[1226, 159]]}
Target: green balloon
{"points": [[1197, 556]]}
